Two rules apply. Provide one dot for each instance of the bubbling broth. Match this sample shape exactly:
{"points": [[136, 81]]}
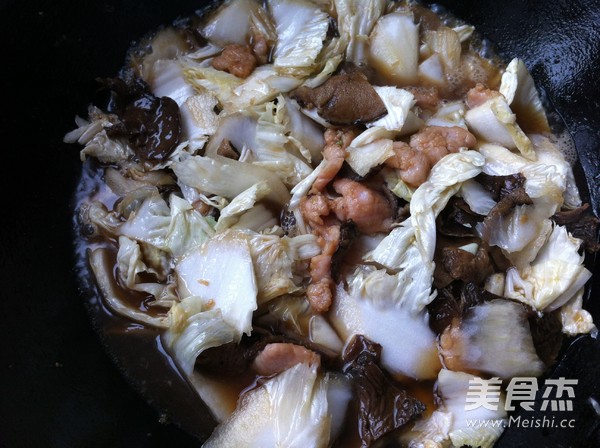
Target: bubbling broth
{"points": [[317, 223]]}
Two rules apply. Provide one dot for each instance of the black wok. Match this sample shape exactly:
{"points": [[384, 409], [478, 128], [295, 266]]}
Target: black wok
{"points": [[59, 385]]}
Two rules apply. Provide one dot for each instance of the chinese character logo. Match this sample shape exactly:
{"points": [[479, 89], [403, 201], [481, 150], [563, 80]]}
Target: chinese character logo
{"points": [[483, 393], [523, 390], [560, 387], [557, 394]]}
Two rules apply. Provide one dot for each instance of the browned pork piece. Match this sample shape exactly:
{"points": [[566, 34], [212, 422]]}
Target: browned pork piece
{"points": [[415, 159], [413, 165], [334, 153], [239, 60], [479, 95], [280, 356], [437, 141], [425, 97], [327, 228], [367, 208]]}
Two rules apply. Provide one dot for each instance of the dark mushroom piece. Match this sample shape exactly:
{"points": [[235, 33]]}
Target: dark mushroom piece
{"points": [[383, 405], [151, 125], [343, 99], [582, 224]]}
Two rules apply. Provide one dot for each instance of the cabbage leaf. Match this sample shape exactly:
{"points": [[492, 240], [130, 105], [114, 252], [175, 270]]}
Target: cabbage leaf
{"points": [[518, 87], [97, 144], [227, 177], [221, 273], [398, 103], [298, 21], [396, 63], [494, 122], [355, 20], [554, 277], [290, 409], [193, 329], [451, 423]]}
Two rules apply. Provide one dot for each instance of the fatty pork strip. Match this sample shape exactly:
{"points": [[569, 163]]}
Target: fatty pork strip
{"points": [[368, 209]]}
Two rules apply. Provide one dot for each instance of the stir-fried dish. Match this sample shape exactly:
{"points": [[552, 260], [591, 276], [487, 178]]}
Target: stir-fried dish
{"points": [[351, 210]]}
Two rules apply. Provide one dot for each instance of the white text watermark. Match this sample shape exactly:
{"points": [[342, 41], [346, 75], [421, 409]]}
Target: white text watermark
{"points": [[557, 394], [522, 422]]}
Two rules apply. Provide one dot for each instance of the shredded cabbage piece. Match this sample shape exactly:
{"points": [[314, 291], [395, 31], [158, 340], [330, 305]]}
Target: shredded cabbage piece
{"points": [[575, 319], [101, 264], [364, 158], [227, 177], [221, 273], [398, 103], [93, 135], [408, 349], [298, 21], [290, 409], [494, 122], [521, 94], [241, 203], [274, 258], [554, 277], [194, 329], [230, 23], [450, 422], [431, 197], [398, 63], [356, 19]]}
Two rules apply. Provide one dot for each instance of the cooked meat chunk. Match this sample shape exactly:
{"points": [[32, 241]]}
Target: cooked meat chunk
{"points": [[334, 153], [317, 214], [313, 209], [426, 97], [479, 95], [367, 208], [413, 165], [437, 141], [239, 60], [415, 159], [343, 99], [320, 294], [280, 356], [320, 266]]}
